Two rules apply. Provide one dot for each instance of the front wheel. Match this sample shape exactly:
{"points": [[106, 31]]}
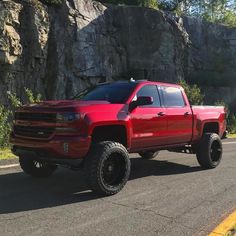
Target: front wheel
{"points": [[209, 151], [107, 167], [36, 168]]}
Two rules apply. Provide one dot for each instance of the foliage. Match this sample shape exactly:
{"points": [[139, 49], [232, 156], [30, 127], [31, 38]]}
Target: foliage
{"points": [[220, 13], [229, 18], [143, 3], [193, 93], [148, 3], [6, 116], [4, 126], [231, 124], [6, 154], [216, 11], [31, 97], [14, 100], [52, 2]]}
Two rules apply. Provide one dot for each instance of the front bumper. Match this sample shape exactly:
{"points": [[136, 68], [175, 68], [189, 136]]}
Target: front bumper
{"points": [[59, 147]]}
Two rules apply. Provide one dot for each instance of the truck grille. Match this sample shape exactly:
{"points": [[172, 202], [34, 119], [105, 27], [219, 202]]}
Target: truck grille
{"points": [[46, 117], [33, 132]]}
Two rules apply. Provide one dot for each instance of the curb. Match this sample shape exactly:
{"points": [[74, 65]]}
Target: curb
{"points": [[9, 166], [5, 162], [223, 228]]}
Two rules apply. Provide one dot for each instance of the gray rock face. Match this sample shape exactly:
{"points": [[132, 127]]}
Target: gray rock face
{"points": [[58, 51], [212, 60]]}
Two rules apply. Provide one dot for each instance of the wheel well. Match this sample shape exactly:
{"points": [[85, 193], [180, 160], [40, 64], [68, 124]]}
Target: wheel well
{"points": [[116, 133], [212, 127]]}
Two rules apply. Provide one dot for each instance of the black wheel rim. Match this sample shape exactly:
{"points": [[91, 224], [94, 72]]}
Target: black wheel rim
{"points": [[216, 151], [38, 164], [114, 170]]}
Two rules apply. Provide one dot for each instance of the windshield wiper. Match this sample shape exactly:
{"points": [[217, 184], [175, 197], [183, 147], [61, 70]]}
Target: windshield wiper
{"points": [[85, 91], [82, 93]]}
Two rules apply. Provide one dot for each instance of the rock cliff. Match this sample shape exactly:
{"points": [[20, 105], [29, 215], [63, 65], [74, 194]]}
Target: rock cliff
{"points": [[58, 51]]}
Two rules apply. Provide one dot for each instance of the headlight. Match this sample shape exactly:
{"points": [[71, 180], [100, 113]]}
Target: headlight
{"points": [[67, 117]]}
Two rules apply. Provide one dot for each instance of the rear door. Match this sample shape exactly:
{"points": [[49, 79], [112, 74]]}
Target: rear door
{"points": [[179, 115], [149, 123]]}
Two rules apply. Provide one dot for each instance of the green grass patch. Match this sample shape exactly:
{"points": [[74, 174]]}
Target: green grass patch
{"points": [[231, 135], [6, 154]]}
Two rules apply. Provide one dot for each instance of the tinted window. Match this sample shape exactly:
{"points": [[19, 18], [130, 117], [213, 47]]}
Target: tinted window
{"points": [[113, 93], [150, 91], [172, 97]]}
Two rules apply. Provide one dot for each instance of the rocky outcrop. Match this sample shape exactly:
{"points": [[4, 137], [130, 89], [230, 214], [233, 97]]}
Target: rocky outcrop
{"points": [[58, 51], [211, 60], [24, 30]]}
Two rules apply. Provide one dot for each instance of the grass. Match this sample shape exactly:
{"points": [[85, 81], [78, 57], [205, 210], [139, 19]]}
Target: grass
{"points": [[6, 154], [232, 232], [231, 135]]}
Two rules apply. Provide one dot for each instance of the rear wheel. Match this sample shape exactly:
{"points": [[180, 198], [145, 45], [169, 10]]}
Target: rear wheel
{"points": [[36, 168], [209, 151], [107, 167], [149, 154]]}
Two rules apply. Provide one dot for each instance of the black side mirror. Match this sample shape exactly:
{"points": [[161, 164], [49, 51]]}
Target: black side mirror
{"points": [[141, 101]]}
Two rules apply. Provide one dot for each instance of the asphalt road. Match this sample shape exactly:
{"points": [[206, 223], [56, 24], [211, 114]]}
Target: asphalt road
{"points": [[169, 195]]}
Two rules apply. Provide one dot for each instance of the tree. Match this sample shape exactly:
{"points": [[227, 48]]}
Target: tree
{"points": [[149, 3], [216, 11]]}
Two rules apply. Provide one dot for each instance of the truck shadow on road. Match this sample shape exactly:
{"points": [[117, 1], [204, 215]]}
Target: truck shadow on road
{"points": [[19, 192]]}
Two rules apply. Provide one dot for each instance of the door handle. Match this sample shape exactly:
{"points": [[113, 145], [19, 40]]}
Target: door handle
{"points": [[186, 113], [161, 114]]}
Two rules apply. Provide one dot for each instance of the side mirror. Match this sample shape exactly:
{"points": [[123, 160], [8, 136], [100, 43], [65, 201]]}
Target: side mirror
{"points": [[141, 101]]}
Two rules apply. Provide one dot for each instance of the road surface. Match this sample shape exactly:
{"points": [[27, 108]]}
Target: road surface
{"points": [[170, 195]]}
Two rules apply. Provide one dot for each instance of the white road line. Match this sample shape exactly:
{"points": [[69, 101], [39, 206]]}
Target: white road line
{"points": [[9, 166], [229, 143]]}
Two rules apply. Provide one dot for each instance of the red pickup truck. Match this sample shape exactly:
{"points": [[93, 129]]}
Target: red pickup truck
{"points": [[97, 130]]}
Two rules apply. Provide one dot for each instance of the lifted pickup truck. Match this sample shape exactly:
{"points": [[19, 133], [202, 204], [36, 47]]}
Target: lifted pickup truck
{"points": [[99, 129]]}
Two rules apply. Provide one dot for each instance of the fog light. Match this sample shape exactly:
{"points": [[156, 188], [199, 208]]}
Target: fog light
{"points": [[66, 147]]}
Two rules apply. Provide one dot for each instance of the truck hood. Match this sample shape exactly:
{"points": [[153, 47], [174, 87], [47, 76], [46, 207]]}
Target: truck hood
{"points": [[71, 106], [67, 103]]}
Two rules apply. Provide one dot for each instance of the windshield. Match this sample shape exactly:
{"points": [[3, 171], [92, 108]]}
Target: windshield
{"points": [[113, 93]]}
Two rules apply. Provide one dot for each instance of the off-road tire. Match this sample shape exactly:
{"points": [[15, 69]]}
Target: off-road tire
{"points": [[35, 168], [209, 151], [103, 161], [149, 154]]}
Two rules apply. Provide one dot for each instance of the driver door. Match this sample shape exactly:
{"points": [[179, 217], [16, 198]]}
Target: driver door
{"points": [[149, 122]]}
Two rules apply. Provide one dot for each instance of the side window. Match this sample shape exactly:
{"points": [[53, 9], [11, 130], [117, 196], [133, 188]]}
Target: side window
{"points": [[172, 97], [151, 91]]}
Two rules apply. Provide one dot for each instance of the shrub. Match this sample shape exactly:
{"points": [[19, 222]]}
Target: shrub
{"points": [[6, 115], [31, 97], [14, 100], [193, 93], [231, 124], [5, 127]]}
